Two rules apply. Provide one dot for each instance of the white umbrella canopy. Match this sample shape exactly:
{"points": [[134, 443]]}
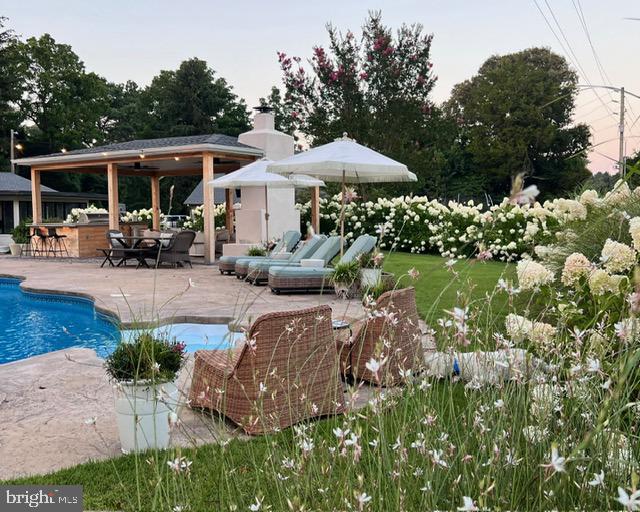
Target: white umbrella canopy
{"points": [[346, 161], [255, 175]]}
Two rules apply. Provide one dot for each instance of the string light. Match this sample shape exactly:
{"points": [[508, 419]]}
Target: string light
{"points": [[104, 153], [63, 150], [142, 153], [176, 158], [19, 146]]}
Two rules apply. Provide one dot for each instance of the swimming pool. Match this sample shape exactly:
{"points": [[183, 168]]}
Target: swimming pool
{"points": [[37, 323]]}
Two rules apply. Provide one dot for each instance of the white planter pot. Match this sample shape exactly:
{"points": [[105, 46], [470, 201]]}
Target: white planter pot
{"points": [[142, 414], [16, 249], [370, 277]]}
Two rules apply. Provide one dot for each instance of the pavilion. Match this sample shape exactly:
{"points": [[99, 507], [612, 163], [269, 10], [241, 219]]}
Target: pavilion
{"points": [[197, 155]]}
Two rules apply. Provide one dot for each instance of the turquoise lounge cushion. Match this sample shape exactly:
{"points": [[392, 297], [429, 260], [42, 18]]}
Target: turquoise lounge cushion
{"points": [[327, 250], [362, 245], [304, 251]]}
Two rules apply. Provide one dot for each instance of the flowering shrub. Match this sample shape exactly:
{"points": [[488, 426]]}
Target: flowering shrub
{"points": [[419, 225], [142, 215], [196, 222], [74, 216]]}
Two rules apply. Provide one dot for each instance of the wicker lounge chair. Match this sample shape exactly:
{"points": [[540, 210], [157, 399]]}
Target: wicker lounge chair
{"points": [[393, 335], [287, 279], [318, 247], [287, 373], [227, 264]]}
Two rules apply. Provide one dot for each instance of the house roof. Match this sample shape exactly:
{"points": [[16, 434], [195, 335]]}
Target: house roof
{"points": [[14, 185], [187, 143], [10, 182], [197, 198]]}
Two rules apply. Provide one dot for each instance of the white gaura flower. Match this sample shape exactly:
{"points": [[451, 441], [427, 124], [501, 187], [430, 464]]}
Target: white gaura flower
{"points": [[467, 505], [91, 421], [557, 462], [374, 365], [630, 502], [256, 506], [598, 479]]}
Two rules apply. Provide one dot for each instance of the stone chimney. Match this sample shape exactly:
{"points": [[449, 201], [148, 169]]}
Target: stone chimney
{"points": [[276, 145]]}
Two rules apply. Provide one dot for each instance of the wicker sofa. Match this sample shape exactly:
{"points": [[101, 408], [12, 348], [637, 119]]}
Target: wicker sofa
{"points": [[288, 371]]}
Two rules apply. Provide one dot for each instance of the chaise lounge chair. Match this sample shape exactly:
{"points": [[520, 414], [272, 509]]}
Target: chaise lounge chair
{"points": [[392, 335], [227, 264], [287, 279], [247, 267], [287, 372]]}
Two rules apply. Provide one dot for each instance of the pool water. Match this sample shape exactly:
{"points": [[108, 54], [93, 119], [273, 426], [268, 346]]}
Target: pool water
{"points": [[37, 323], [195, 336]]}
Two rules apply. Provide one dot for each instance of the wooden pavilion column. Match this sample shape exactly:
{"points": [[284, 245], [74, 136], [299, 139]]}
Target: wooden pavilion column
{"points": [[36, 197], [315, 209], [112, 191], [155, 201], [208, 209], [228, 197]]}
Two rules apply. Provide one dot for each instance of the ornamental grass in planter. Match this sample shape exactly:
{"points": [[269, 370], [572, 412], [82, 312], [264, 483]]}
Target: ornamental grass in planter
{"points": [[145, 371]]}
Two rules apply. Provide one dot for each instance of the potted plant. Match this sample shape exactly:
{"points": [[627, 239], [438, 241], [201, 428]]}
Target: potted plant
{"points": [[256, 250], [345, 279], [145, 371], [371, 269], [20, 237]]}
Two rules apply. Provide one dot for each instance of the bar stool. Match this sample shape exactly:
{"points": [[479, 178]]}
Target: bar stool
{"points": [[42, 243], [57, 243], [27, 248]]}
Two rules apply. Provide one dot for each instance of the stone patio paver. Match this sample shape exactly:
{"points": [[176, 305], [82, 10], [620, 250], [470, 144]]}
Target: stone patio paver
{"points": [[46, 401]]}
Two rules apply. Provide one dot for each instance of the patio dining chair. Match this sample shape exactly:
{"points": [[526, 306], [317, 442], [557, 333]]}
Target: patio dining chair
{"points": [[116, 249], [391, 336], [289, 240], [176, 251], [286, 371]]}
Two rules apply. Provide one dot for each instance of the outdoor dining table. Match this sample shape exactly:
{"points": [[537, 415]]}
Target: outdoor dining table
{"points": [[139, 249]]}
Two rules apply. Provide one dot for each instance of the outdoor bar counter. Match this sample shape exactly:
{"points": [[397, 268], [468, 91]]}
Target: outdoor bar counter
{"points": [[83, 239]]}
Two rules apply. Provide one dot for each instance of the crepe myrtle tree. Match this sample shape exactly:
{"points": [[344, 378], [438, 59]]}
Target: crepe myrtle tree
{"points": [[376, 89]]}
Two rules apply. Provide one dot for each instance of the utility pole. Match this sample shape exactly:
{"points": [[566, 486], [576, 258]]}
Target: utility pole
{"points": [[11, 151], [621, 156]]}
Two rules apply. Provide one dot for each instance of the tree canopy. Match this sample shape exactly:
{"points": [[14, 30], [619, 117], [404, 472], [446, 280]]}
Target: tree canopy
{"points": [[515, 116]]}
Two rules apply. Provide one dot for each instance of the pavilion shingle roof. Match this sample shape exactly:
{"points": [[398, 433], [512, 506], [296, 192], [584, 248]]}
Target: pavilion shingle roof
{"points": [[13, 183], [197, 195], [137, 145]]}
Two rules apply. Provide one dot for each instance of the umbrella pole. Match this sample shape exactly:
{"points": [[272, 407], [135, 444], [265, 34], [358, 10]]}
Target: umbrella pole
{"points": [[266, 212], [342, 217]]}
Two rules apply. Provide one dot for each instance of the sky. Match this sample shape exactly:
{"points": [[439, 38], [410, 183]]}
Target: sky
{"points": [[135, 39]]}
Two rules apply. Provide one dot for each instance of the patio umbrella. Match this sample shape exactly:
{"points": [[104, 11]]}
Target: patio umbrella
{"points": [[255, 175], [346, 161]]}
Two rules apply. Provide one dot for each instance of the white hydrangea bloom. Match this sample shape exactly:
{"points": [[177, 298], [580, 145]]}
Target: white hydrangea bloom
{"points": [[576, 266], [634, 231], [617, 257], [601, 282], [533, 275]]}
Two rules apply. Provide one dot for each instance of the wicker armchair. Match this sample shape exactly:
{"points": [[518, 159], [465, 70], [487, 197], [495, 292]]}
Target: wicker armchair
{"points": [[392, 334], [285, 373]]}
